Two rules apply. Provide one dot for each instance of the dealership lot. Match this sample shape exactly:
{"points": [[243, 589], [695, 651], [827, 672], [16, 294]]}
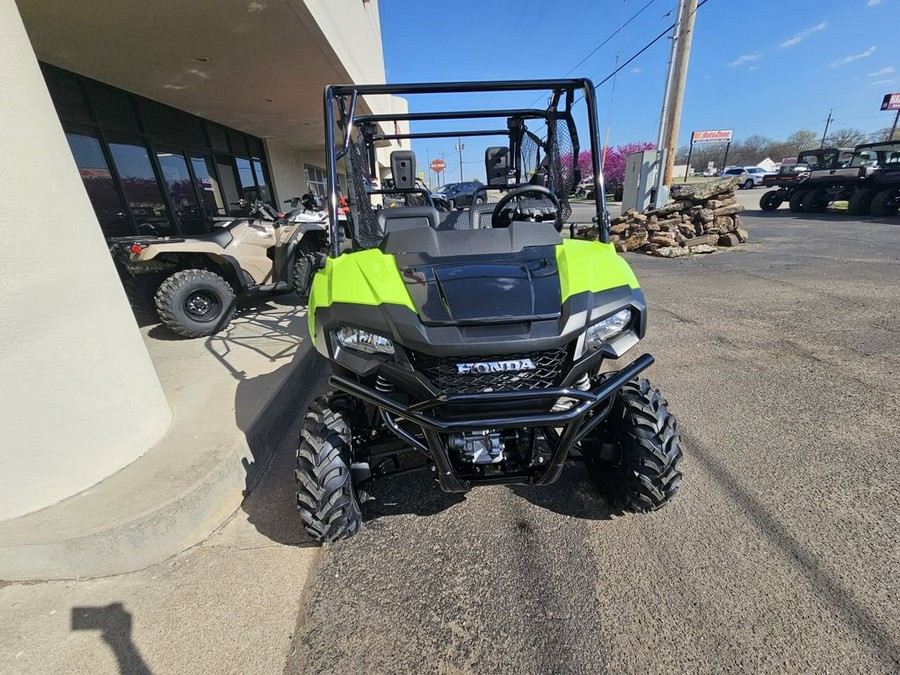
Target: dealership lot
{"points": [[781, 360]]}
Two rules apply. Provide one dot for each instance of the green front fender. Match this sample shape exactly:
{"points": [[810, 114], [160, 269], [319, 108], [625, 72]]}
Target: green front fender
{"points": [[371, 277], [367, 277], [591, 266]]}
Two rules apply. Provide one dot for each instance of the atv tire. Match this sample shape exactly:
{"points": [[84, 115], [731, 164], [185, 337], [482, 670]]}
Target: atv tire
{"points": [[861, 202], [635, 458], [326, 499], [305, 266], [815, 201], [141, 289], [195, 303], [795, 203], [770, 201], [884, 203]]}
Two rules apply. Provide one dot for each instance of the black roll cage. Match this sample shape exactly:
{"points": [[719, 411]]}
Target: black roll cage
{"points": [[345, 98]]}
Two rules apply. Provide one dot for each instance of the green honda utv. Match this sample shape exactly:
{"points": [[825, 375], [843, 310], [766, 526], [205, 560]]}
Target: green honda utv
{"points": [[475, 343]]}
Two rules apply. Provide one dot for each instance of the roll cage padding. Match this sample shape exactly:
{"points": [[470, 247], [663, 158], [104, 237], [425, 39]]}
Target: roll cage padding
{"points": [[439, 244], [407, 217]]}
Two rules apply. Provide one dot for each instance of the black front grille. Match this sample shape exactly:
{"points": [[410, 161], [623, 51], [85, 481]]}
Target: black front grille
{"points": [[444, 371]]}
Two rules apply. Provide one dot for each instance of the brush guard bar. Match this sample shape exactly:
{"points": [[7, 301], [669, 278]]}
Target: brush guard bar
{"points": [[576, 422]]}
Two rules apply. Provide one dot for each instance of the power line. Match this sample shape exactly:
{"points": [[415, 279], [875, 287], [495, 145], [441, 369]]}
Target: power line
{"points": [[643, 49], [602, 44], [610, 37]]}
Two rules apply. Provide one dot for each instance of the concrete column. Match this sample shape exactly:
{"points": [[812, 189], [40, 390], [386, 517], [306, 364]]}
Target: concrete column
{"points": [[79, 398]]}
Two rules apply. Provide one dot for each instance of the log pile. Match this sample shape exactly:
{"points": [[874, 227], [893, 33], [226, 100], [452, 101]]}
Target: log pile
{"points": [[700, 217]]}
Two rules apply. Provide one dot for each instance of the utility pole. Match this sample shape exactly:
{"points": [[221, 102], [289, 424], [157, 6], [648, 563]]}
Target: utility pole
{"points": [[664, 113], [459, 148], [683, 41], [827, 124], [428, 159]]}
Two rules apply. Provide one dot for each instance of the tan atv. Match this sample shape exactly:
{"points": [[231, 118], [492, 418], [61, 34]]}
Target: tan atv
{"points": [[195, 280]]}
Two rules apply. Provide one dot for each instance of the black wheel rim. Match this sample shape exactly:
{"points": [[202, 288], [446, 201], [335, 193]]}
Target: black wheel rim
{"points": [[203, 306]]}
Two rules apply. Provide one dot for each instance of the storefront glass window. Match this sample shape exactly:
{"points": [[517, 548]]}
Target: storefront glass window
{"points": [[182, 197], [208, 186], [248, 183], [315, 180], [99, 184], [141, 188]]}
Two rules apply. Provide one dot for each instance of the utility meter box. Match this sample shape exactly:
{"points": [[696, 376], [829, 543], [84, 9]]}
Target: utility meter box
{"points": [[640, 180]]}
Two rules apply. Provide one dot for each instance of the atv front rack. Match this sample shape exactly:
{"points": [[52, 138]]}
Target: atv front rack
{"points": [[576, 422]]}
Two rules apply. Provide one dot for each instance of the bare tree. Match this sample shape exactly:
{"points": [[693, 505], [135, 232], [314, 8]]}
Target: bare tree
{"points": [[801, 140], [884, 135], [846, 138]]}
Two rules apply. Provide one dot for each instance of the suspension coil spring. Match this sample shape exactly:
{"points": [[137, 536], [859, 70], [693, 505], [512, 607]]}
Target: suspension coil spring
{"points": [[583, 383], [383, 386]]}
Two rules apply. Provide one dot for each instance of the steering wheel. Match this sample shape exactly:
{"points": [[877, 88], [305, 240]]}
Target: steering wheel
{"points": [[517, 194]]}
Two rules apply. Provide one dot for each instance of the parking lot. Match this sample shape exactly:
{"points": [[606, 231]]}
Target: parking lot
{"points": [[780, 358]]}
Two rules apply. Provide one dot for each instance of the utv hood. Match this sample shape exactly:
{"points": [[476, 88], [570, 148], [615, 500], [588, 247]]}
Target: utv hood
{"points": [[523, 288], [529, 285]]}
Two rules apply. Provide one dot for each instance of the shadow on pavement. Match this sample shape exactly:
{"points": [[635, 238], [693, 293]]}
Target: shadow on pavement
{"points": [[851, 613], [572, 495], [114, 624], [267, 404], [414, 493]]}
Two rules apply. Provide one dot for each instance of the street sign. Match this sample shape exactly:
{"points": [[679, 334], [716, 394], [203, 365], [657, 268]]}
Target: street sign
{"points": [[715, 136], [891, 102], [438, 165]]}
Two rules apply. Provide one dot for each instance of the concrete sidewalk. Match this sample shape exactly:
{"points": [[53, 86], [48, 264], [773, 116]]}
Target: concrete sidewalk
{"points": [[228, 605], [232, 395]]}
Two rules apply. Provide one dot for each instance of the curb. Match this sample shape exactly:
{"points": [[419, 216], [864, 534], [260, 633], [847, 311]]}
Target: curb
{"points": [[175, 525]]}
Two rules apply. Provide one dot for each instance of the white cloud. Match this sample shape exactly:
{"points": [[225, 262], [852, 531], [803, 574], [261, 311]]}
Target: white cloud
{"points": [[875, 82], [753, 68], [803, 33], [887, 70], [872, 3], [636, 70], [745, 58], [855, 57]]}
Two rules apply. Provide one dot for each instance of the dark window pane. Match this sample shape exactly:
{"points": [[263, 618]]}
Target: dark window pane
{"points": [[170, 126], [98, 182], [238, 142], [264, 192], [177, 181], [208, 186], [229, 186], [141, 189], [113, 108], [68, 98], [217, 137], [260, 174], [245, 173], [256, 146]]}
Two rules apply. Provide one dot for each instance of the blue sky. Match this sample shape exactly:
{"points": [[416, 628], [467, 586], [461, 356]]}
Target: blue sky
{"points": [[766, 67]]}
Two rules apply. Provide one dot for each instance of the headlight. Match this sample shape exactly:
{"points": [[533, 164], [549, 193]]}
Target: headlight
{"points": [[363, 341], [608, 328]]}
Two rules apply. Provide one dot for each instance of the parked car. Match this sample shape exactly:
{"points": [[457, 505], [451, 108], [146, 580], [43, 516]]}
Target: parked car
{"points": [[459, 195], [748, 176]]}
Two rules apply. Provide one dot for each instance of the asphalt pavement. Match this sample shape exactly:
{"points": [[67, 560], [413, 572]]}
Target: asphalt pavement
{"points": [[780, 359]]}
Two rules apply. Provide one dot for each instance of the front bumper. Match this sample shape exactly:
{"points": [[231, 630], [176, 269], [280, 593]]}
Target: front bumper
{"points": [[565, 428]]}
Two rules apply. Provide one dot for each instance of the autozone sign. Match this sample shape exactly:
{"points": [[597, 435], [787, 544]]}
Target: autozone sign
{"points": [[716, 136], [891, 102]]}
